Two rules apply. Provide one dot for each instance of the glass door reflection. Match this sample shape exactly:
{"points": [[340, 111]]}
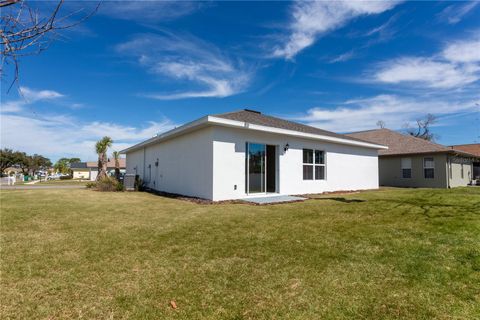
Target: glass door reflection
{"points": [[256, 167]]}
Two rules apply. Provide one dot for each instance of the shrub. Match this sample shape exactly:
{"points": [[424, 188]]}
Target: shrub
{"points": [[139, 184], [65, 177], [109, 184], [120, 187], [91, 185]]}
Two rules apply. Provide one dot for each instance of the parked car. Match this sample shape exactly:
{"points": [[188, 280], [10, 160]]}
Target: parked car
{"points": [[55, 176]]}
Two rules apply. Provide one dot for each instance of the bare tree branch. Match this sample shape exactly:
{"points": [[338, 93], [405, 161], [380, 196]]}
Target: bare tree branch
{"points": [[422, 129], [4, 3], [381, 124], [25, 32]]}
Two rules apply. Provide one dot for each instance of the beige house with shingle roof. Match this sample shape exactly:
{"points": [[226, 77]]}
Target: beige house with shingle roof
{"points": [[89, 170], [414, 162]]}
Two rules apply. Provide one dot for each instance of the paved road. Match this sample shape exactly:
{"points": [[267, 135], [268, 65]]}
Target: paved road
{"points": [[32, 187]]}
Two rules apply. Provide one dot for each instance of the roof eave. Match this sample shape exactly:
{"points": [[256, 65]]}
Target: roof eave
{"points": [[256, 127], [212, 120], [456, 152]]}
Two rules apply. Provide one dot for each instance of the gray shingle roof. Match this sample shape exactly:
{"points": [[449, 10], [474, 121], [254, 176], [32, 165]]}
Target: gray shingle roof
{"points": [[255, 117], [78, 165], [398, 143]]}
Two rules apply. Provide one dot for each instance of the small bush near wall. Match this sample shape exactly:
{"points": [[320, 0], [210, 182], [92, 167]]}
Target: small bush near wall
{"points": [[139, 184], [109, 184], [65, 177], [91, 185]]}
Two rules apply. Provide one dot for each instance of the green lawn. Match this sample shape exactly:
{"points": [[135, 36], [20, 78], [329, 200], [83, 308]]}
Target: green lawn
{"points": [[61, 182], [394, 253]]}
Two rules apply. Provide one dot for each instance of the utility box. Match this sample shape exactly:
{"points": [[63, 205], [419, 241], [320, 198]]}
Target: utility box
{"points": [[129, 182]]}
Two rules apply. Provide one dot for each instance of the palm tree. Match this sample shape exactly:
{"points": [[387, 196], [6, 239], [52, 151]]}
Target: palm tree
{"points": [[101, 148], [116, 156]]}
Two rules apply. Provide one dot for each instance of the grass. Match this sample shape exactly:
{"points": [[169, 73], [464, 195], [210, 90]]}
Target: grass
{"points": [[66, 182], [394, 253]]}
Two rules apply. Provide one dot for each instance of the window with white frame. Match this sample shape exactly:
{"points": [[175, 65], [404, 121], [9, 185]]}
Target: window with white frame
{"points": [[406, 168], [428, 168], [462, 174], [313, 164]]}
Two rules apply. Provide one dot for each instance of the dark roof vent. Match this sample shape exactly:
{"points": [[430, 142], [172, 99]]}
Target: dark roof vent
{"points": [[254, 111]]}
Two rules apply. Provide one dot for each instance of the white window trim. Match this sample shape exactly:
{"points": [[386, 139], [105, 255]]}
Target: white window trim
{"points": [[313, 164], [402, 168], [308, 164], [433, 159]]}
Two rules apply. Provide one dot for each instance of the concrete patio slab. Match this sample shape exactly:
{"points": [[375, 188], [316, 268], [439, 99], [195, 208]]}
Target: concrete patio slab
{"points": [[273, 199]]}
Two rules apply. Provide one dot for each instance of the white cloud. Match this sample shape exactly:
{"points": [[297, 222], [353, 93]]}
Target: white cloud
{"points": [[12, 106], [453, 14], [311, 19], [463, 51], [148, 10], [63, 136], [395, 111], [455, 67], [32, 95], [343, 57], [28, 96], [428, 72], [118, 132], [188, 59]]}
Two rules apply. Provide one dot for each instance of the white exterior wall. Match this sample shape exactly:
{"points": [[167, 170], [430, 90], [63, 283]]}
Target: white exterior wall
{"points": [[135, 162], [184, 164], [81, 173], [455, 174], [347, 167], [209, 162], [93, 175]]}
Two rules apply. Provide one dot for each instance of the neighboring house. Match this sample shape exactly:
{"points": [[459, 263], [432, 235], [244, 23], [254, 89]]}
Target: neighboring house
{"points": [[10, 171], [245, 153], [89, 170], [473, 148], [80, 170], [415, 162]]}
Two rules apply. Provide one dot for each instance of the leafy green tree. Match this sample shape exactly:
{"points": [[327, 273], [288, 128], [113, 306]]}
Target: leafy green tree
{"points": [[101, 147], [7, 158], [24, 161], [63, 164], [39, 162]]}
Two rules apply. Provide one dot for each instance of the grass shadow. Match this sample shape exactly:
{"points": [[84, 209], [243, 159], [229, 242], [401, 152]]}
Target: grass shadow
{"points": [[340, 199]]}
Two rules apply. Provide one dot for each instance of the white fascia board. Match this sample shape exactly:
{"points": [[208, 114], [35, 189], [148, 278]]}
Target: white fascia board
{"points": [[210, 120], [256, 127]]}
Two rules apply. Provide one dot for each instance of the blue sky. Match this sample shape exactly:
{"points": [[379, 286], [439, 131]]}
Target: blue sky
{"points": [[142, 67]]}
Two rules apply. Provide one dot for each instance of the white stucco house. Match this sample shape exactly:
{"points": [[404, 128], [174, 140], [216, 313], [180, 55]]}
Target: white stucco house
{"points": [[245, 153]]}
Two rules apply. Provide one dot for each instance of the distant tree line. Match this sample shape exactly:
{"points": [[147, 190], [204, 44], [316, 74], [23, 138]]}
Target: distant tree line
{"points": [[27, 163]]}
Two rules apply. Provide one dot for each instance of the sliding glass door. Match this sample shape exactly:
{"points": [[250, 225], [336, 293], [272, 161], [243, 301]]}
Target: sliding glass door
{"points": [[256, 154]]}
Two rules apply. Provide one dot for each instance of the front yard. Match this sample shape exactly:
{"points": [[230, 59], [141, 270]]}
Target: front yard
{"points": [[393, 253]]}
